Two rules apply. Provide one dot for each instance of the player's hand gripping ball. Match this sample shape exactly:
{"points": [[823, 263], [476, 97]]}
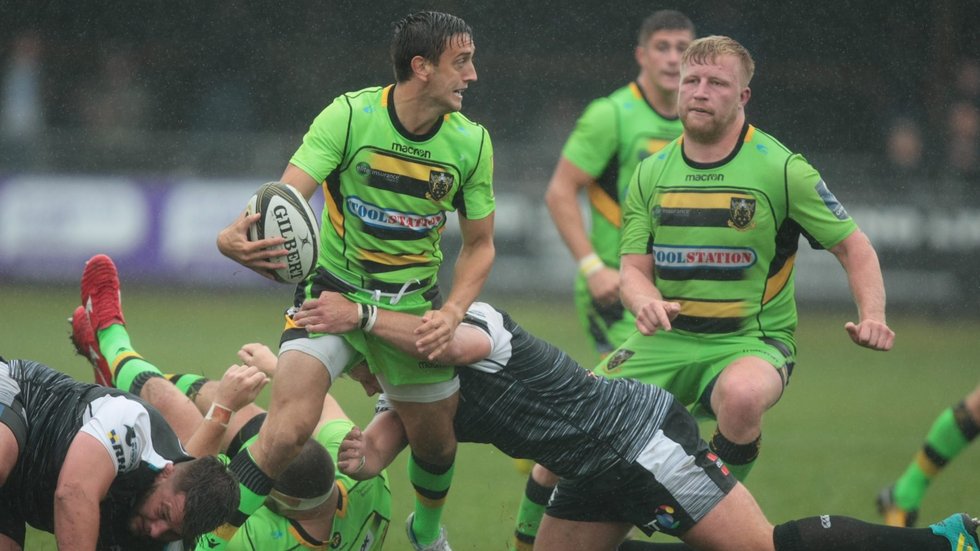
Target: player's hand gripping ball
{"points": [[286, 213]]}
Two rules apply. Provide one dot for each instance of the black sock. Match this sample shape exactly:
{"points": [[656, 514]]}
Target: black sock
{"points": [[834, 533]]}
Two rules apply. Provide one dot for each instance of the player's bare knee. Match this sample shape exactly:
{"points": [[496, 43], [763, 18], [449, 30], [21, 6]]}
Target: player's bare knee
{"points": [[439, 452]]}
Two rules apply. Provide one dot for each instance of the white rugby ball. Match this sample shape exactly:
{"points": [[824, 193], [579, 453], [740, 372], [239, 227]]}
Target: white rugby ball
{"points": [[286, 213]]}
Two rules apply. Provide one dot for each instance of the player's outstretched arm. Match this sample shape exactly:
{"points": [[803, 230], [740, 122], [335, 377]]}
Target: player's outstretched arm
{"points": [[363, 454], [858, 257], [333, 313], [236, 391], [83, 483]]}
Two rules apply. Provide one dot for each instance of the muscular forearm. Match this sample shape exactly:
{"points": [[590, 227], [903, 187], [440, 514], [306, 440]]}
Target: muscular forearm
{"points": [[472, 269], [76, 518], [206, 440], [637, 288], [562, 201], [384, 439], [860, 262]]}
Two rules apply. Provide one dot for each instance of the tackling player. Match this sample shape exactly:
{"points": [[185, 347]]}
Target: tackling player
{"points": [[611, 137], [392, 161], [629, 454]]}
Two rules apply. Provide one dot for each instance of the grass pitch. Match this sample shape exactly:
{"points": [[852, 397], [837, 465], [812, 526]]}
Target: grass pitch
{"points": [[848, 424]]}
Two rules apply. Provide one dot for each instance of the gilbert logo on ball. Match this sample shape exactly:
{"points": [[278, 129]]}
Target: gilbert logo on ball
{"points": [[287, 214]]}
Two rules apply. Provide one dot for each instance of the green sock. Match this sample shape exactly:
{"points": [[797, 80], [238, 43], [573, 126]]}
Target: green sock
{"points": [[739, 458], [949, 435], [188, 383], [529, 514], [126, 364], [253, 487], [431, 484]]}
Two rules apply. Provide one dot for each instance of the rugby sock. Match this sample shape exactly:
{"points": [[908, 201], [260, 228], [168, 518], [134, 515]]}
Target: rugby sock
{"points": [[188, 383], [129, 370], [834, 533], [529, 514], [949, 435], [431, 484], [253, 487], [739, 458]]}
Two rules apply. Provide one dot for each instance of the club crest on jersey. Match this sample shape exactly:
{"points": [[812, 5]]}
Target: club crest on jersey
{"points": [[439, 184], [618, 359], [741, 211]]}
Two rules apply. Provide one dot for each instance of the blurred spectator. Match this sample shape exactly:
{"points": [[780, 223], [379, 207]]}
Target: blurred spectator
{"points": [[115, 101], [967, 84], [962, 160], [903, 167], [21, 109]]}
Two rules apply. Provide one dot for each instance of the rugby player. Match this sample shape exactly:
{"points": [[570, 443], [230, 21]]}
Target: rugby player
{"points": [[611, 137], [98, 468], [310, 505], [711, 227], [392, 161], [628, 453]]}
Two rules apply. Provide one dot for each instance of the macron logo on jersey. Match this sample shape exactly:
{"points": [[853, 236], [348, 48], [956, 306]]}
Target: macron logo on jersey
{"points": [[373, 215], [704, 257]]}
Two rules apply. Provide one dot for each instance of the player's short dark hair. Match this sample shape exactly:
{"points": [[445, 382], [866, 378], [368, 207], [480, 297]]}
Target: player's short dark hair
{"points": [[311, 474], [426, 34], [663, 20], [212, 495]]}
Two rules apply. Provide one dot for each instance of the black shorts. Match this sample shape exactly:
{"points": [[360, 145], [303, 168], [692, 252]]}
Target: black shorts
{"points": [[669, 487], [12, 524]]}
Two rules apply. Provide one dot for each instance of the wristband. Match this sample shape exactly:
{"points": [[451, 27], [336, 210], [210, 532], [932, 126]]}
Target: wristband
{"points": [[362, 315], [372, 318], [219, 414], [590, 264]]}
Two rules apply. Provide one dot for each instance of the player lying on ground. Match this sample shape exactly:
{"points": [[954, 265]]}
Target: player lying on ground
{"points": [[98, 468], [628, 453], [308, 506]]}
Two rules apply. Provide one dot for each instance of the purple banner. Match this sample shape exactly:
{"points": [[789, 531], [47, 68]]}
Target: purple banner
{"points": [[157, 230]]}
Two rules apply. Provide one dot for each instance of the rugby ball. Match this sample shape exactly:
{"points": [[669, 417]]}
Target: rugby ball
{"points": [[286, 213]]}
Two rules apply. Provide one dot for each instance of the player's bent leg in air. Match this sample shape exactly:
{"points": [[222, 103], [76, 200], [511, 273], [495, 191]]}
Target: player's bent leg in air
{"points": [[743, 392], [950, 434], [99, 334]]}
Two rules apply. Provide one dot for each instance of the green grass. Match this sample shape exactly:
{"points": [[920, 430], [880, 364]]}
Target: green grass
{"points": [[848, 424]]}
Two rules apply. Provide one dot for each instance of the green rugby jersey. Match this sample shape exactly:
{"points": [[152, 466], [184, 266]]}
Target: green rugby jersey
{"points": [[387, 191], [724, 236], [360, 523], [611, 137]]}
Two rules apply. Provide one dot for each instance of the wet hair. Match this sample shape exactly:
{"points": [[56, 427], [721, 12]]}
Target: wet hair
{"points": [[706, 50], [663, 20], [308, 476], [426, 34], [211, 495]]}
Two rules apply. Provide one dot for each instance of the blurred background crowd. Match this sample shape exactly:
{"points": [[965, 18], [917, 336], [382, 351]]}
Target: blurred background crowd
{"points": [[887, 87], [883, 97]]}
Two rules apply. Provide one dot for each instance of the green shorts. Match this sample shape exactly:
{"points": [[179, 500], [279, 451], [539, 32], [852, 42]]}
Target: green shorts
{"points": [[686, 364], [398, 367], [606, 326]]}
